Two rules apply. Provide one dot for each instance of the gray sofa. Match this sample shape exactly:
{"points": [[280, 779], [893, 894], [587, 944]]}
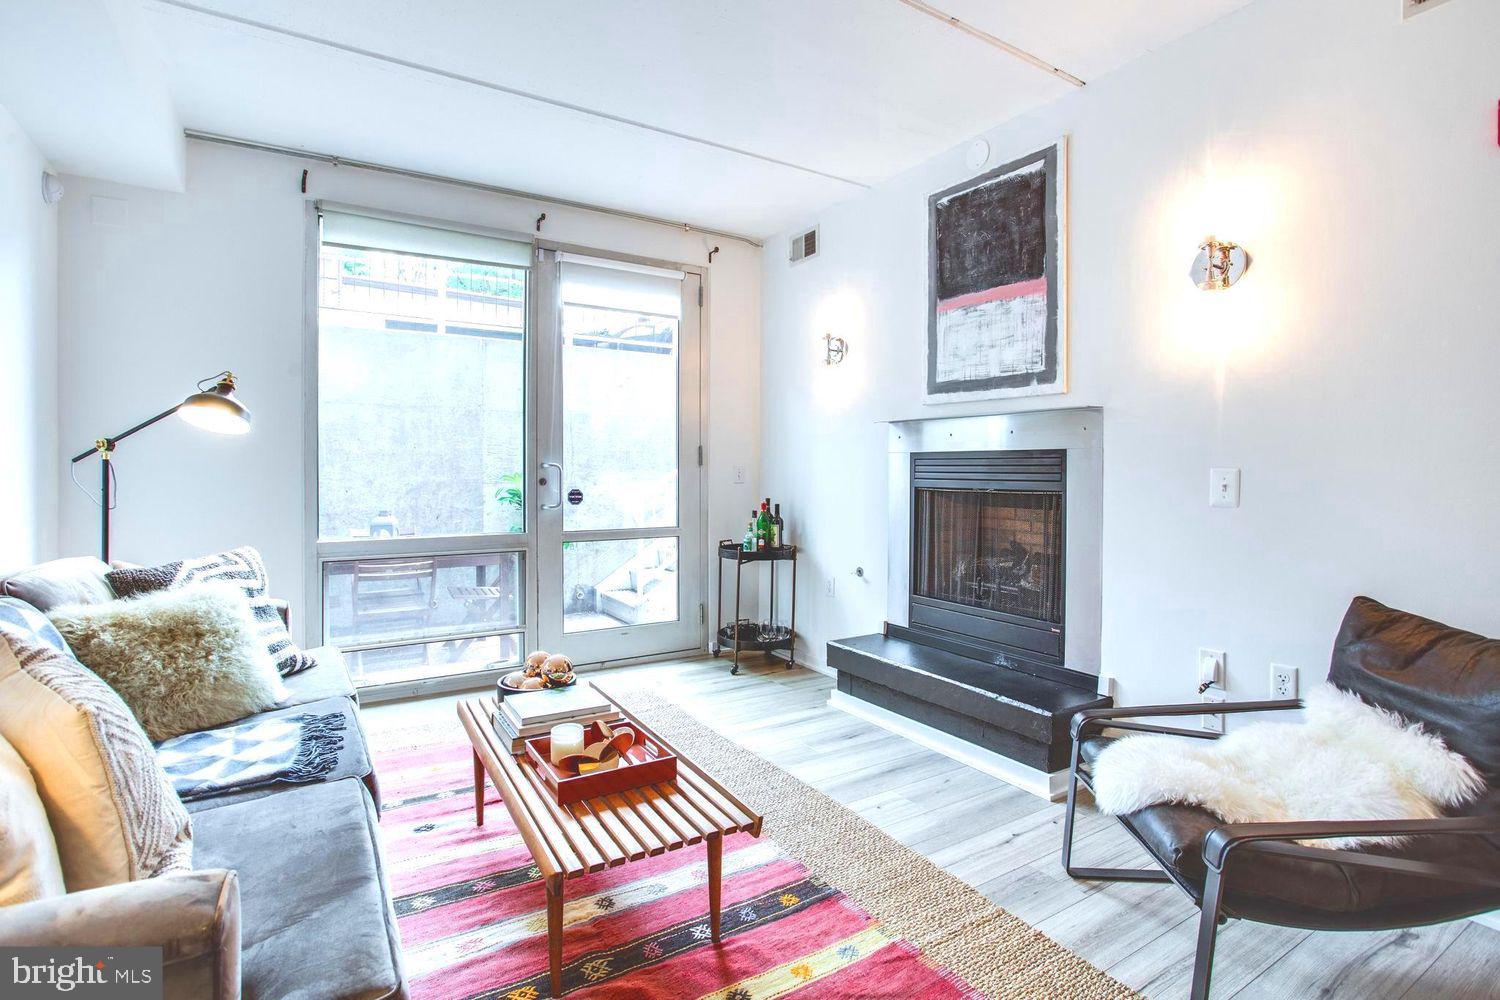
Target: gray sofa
{"points": [[288, 897]]}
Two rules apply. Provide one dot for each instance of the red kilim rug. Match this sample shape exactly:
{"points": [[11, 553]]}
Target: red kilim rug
{"points": [[472, 914]]}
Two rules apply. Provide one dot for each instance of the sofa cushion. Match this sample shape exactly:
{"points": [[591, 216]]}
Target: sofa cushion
{"points": [[315, 912], [79, 580], [112, 811], [328, 677], [29, 866], [242, 568], [183, 660], [353, 760]]}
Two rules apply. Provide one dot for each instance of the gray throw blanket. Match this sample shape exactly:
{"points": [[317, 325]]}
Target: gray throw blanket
{"points": [[291, 748]]}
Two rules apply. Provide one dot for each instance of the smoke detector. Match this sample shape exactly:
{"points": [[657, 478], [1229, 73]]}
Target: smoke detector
{"points": [[804, 245]]}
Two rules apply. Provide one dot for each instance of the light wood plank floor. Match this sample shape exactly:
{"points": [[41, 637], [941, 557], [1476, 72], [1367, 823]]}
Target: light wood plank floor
{"points": [[1005, 842]]}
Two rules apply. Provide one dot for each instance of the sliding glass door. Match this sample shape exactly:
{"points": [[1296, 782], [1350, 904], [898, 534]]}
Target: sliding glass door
{"points": [[507, 454], [619, 546]]}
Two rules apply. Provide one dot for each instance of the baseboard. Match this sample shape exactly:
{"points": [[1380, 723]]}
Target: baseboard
{"points": [[1048, 786]]}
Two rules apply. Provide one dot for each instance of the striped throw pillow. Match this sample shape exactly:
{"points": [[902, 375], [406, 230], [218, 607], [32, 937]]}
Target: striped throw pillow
{"points": [[241, 567]]}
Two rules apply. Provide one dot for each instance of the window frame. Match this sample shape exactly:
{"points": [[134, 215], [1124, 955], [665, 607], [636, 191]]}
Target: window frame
{"points": [[320, 552]]}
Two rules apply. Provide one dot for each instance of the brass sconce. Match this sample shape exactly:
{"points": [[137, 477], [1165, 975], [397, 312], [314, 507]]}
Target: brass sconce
{"points": [[1219, 265], [834, 349]]}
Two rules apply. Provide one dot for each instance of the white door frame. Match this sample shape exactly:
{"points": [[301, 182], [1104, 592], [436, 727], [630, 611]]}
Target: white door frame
{"points": [[633, 642]]}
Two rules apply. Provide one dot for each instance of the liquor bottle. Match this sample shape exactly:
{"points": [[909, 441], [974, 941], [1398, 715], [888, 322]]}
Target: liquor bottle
{"points": [[763, 525], [778, 537], [749, 543]]}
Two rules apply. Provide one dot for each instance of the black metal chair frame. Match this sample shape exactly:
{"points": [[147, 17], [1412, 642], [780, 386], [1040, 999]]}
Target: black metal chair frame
{"points": [[1241, 839]]}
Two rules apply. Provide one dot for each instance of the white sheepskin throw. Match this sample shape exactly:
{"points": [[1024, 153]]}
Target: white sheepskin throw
{"points": [[1347, 760], [183, 660]]}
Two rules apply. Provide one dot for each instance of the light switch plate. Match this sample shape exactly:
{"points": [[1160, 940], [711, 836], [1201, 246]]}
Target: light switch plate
{"points": [[1223, 487]]}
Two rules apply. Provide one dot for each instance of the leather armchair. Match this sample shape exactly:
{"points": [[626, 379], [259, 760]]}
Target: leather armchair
{"points": [[1444, 869], [193, 917]]}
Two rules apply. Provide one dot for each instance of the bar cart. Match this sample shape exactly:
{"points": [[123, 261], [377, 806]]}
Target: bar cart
{"points": [[742, 636]]}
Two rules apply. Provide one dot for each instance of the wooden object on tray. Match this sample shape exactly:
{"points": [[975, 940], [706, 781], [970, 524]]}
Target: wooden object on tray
{"points": [[646, 763], [577, 838]]}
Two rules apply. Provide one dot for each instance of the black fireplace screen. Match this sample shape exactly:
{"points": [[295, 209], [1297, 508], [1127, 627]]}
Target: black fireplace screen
{"points": [[996, 550]]}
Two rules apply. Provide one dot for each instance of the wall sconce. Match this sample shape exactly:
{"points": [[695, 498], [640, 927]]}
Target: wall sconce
{"points": [[834, 349], [1219, 265]]}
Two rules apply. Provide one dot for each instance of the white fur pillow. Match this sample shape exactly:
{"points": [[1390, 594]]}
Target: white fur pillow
{"points": [[183, 660], [1346, 761]]}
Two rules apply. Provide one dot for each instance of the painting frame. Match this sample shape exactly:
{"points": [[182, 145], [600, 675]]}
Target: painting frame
{"points": [[1050, 377]]}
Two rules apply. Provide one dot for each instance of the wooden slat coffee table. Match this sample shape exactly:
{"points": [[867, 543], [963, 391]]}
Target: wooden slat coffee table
{"points": [[589, 836]]}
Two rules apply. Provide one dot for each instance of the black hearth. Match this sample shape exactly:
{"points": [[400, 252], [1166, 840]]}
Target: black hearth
{"points": [[982, 656]]}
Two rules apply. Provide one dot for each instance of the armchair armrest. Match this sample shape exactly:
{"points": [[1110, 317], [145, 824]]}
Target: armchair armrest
{"points": [[1097, 718], [284, 609], [193, 917], [1221, 840]]}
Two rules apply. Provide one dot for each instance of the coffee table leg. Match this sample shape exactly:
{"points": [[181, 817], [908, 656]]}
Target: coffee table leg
{"points": [[715, 878], [554, 931], [478, 790]]}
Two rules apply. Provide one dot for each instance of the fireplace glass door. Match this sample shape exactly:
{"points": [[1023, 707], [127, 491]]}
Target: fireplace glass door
{"points": [[995, 550]]}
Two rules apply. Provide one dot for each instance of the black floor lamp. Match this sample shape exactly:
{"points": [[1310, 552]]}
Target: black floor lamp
{"points": [[212, 407]]}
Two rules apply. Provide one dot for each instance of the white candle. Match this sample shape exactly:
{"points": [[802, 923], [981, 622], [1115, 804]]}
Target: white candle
{"points": [[567, 739]]}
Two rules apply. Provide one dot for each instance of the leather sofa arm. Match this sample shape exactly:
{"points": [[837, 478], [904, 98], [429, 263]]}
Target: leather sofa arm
{"points": [[1100, 717], [193, 917], [1275, 837]]}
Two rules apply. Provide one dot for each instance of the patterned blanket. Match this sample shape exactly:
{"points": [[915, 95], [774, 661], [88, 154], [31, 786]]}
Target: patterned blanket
{"points": [[293, 748]]}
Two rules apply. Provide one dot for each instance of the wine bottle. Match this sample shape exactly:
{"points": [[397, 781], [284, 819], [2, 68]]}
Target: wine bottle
{"points": [[778, 538]]}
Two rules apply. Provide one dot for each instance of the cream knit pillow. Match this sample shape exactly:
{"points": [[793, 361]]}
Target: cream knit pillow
{"points": [[113, 812], [29, 865]]}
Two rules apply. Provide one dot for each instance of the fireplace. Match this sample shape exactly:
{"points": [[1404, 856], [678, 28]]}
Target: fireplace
{"points": [[987, 550], [991, 638]]}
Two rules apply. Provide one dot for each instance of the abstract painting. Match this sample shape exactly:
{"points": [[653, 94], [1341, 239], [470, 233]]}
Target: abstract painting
{"points": [[997, 283]]}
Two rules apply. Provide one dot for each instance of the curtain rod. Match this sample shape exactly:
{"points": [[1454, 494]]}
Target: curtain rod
{"points": [[344, 161]]}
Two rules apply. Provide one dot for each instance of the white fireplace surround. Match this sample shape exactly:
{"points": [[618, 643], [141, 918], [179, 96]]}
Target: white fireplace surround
{"points": [[1080, 431]]}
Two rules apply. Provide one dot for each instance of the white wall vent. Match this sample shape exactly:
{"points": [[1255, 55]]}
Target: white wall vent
{"points": [[1411, 8], [804, 245]]}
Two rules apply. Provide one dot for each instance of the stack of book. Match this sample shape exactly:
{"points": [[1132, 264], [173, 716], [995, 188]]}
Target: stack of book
{"points": [[522, 716]]}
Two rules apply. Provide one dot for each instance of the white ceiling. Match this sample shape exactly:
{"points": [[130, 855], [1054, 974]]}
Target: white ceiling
{"points": [[747, 115]]}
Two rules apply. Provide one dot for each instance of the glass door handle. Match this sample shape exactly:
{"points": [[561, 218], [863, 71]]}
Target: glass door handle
{"points": [[553, 506]]}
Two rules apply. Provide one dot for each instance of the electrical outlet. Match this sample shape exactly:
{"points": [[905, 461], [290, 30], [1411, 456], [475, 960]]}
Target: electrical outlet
{"points": [[1283, 682], [1211, 669], [1213, 723], [739, 473], [830, 586]]}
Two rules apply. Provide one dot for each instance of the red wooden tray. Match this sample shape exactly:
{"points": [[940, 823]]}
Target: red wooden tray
{"points": [[647, 762]]}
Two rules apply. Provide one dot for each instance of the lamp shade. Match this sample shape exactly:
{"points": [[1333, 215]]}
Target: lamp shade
{"points": [[216, 409]]}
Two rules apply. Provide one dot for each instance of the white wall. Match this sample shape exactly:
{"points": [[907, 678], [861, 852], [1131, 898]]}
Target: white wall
{"points": [[161, 289], [28, 354], [1352, 374]]}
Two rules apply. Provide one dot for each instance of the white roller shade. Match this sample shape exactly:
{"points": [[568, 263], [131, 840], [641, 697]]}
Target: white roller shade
{"points": [[590, 281], [370, 233]]}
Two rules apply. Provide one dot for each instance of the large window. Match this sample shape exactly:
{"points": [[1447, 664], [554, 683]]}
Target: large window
{"points": [[421, 447]]}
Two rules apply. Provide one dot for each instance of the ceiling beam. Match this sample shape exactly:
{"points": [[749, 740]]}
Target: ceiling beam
{"points": [[989, 39], [473, 81]]}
